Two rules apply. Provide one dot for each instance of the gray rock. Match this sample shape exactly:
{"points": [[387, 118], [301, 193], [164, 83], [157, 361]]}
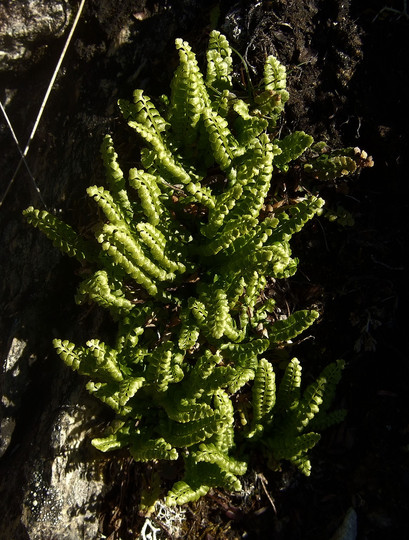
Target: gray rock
{"points": [[25, 28], [55, 477], [348, 529], [61, 495], [13, 380]]}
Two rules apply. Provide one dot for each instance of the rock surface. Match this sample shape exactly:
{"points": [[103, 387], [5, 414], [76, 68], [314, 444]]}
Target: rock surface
{"points": [[26, 27]]}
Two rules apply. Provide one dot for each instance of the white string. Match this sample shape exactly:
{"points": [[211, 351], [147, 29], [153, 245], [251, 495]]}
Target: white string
{"points": [[3, 110], [43, 104]]}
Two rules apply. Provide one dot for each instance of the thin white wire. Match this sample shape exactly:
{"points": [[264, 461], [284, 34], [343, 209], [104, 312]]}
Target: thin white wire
{"points": [[45, 99], [3, 110]]}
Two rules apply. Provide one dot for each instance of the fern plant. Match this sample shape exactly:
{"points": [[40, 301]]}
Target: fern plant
{"points": [[183, 259]]}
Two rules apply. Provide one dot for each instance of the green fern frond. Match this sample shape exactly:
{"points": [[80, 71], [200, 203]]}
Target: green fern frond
{"points": [[218, 309], [130, 328], [202, 370], [232, 232], [295, 324], [160, 250], [129, 254], [302, 462], [105, 201], [255, 190], [144, 112], [247, 125], [164, 161], [189, 96], [271, 102], [224, 439], [275, 76], [331, 166], [259, 236], [298, 216], [223, 204], [185, 410], [310, 402], [187, 434], [224, 146], [211, 473], [332, 375], [151, 449], [104, 292], [107, 393], [189, 334], [107, 366], [163, 367], [241, 352], [288, 393], [210, 454], [149, 193], [264, 394], [292, 147], [114, 176], [200, 194], [182, 493], [130, 268], [239, 378], [199, 478], [109, 443], [255, 284], [290, 447], [219, 62], [62, 235], [69, 353], [96, 360], [199, 312], [128, 388]]}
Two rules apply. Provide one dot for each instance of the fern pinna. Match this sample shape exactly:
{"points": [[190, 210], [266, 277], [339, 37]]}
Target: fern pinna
{"points": [[186, 233]]}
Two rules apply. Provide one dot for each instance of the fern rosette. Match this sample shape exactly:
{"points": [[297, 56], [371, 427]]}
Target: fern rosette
{"points": [[186, 234]]}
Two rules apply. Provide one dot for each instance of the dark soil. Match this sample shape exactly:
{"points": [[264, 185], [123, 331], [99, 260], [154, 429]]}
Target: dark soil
{"points": [[348, 65]]}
